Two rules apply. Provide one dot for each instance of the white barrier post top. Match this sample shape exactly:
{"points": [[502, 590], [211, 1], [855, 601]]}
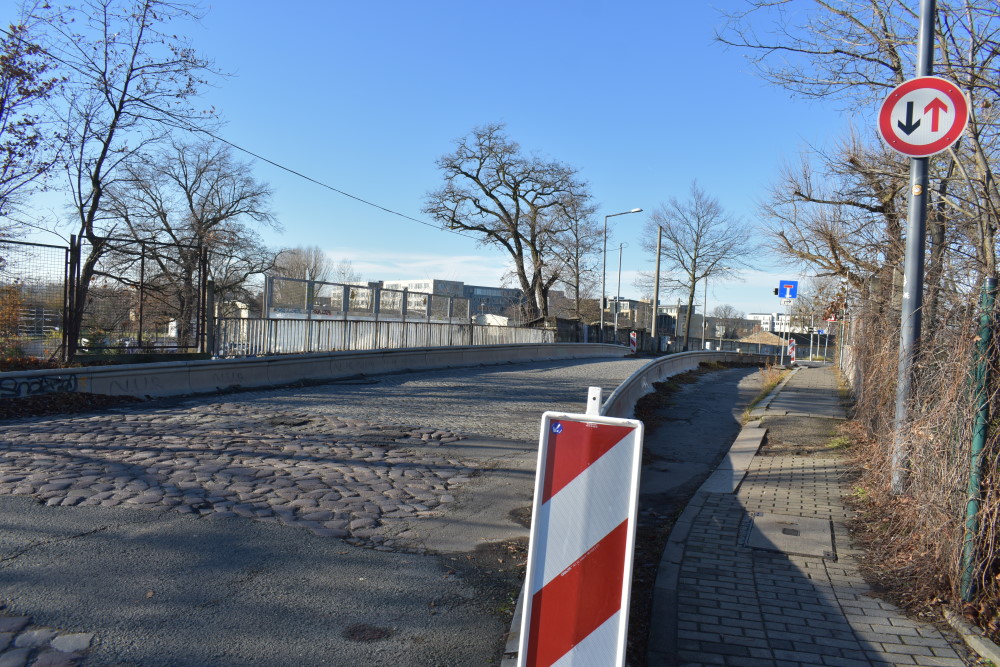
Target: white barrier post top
{"points": [[594, 401]]}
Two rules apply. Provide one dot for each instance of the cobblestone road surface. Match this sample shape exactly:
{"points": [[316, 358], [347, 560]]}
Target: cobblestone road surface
{"points": [[402, 464]]}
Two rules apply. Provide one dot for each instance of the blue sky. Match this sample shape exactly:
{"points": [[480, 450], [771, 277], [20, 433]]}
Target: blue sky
{"points": [[365, 96]]}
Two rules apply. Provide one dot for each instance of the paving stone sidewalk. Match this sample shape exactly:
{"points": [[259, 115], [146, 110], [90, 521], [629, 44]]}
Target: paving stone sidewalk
{"points": [[729, 596]]}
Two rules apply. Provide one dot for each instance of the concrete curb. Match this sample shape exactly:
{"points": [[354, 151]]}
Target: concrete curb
{"points": [[973, 637], [622, 401], [726, 479], [761, 408]]}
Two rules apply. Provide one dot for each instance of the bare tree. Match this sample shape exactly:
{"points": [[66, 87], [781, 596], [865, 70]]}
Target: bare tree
{"points": [[579, 247], [28, 141], [730, 317], [645, 282], [130, 80], [511, 201], [194, 199], [305, 263], [236, 268], [842, 214], [700, 241], [855, 51], [345, 273]]}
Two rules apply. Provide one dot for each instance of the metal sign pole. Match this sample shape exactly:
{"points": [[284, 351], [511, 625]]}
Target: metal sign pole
{"points": [[913, 267]]}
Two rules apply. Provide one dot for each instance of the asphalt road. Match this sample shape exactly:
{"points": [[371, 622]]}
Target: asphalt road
{"points": [[164, 577]]}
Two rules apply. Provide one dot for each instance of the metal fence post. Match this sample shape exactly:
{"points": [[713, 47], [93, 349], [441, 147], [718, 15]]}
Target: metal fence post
{"points": [[210, 338], [980, 382]]}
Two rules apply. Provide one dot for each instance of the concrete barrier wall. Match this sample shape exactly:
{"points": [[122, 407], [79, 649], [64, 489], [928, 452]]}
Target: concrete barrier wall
{"points": [[621, 402], [192, 377]]}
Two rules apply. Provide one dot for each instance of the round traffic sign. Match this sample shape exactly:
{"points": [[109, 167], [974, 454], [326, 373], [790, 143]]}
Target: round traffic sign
{"points": [[923, 116]]}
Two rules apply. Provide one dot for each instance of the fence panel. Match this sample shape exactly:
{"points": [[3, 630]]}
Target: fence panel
{"points": [[32, 298]]}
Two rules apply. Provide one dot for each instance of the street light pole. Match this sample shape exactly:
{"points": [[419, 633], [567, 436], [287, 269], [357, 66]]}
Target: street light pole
{"points": [[604, 262], [618, 293], [656, 289]]}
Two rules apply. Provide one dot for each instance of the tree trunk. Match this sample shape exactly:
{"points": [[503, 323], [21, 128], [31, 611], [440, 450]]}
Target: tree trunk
{"points": [[81, 289], [687, 318]]}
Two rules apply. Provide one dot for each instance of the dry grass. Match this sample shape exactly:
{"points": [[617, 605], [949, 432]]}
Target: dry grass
{"points": [[770, 377]]}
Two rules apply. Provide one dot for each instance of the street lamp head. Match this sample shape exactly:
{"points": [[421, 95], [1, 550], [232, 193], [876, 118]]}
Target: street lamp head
{"points": [[634, 210]]}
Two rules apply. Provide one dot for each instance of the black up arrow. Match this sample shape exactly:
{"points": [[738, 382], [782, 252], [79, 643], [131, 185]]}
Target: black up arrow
{"points": [[911, 125]]}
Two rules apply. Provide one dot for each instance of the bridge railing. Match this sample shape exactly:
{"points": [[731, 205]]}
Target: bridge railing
{"points": [[246, 337]]}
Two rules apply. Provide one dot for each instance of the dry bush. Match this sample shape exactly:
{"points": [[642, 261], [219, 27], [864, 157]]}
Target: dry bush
{"points": [[914, 542], [11, 302]]}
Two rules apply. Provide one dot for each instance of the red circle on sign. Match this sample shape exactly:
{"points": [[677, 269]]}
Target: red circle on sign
{"points": [[960, 119]]}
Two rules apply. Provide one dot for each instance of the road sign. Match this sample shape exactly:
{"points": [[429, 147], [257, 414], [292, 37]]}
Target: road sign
{"points": [[788, 289], [923, 116], [580, 551], [787, 302]]}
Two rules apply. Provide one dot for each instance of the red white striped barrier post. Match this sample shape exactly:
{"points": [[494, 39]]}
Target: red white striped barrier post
{"points": [[791, 350], [579, 570]]}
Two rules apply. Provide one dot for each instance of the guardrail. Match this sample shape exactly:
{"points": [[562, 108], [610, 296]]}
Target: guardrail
{"points": [[176, 378], [621, 402]]}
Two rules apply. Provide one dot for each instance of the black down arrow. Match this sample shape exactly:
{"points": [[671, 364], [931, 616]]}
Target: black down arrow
{"points": [[910, 125]]}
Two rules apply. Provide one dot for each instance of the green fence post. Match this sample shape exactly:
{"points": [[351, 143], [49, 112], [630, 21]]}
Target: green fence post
{"points": [[980, 380]]}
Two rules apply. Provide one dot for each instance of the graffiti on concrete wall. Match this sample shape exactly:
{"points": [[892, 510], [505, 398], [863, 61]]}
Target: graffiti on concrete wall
{"points": [[31, 385]]}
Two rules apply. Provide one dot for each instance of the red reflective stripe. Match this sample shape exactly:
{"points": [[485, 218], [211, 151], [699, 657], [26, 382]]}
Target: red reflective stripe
{"points": [[571, 451], [578, 601]]}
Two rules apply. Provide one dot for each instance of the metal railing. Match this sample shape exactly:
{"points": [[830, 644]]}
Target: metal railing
{"points": [[257, 337]]}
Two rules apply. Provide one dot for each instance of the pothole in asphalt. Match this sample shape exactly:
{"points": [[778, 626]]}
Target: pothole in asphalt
{"points": [[288, 421], [362, 632], [521, 516]]}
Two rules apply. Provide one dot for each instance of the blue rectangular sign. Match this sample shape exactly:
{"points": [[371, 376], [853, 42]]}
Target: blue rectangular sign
{"points": [[788, 289]]}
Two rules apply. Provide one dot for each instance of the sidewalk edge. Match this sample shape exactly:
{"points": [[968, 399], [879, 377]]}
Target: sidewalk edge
{"points": [[973, 637], [726, 479]]}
